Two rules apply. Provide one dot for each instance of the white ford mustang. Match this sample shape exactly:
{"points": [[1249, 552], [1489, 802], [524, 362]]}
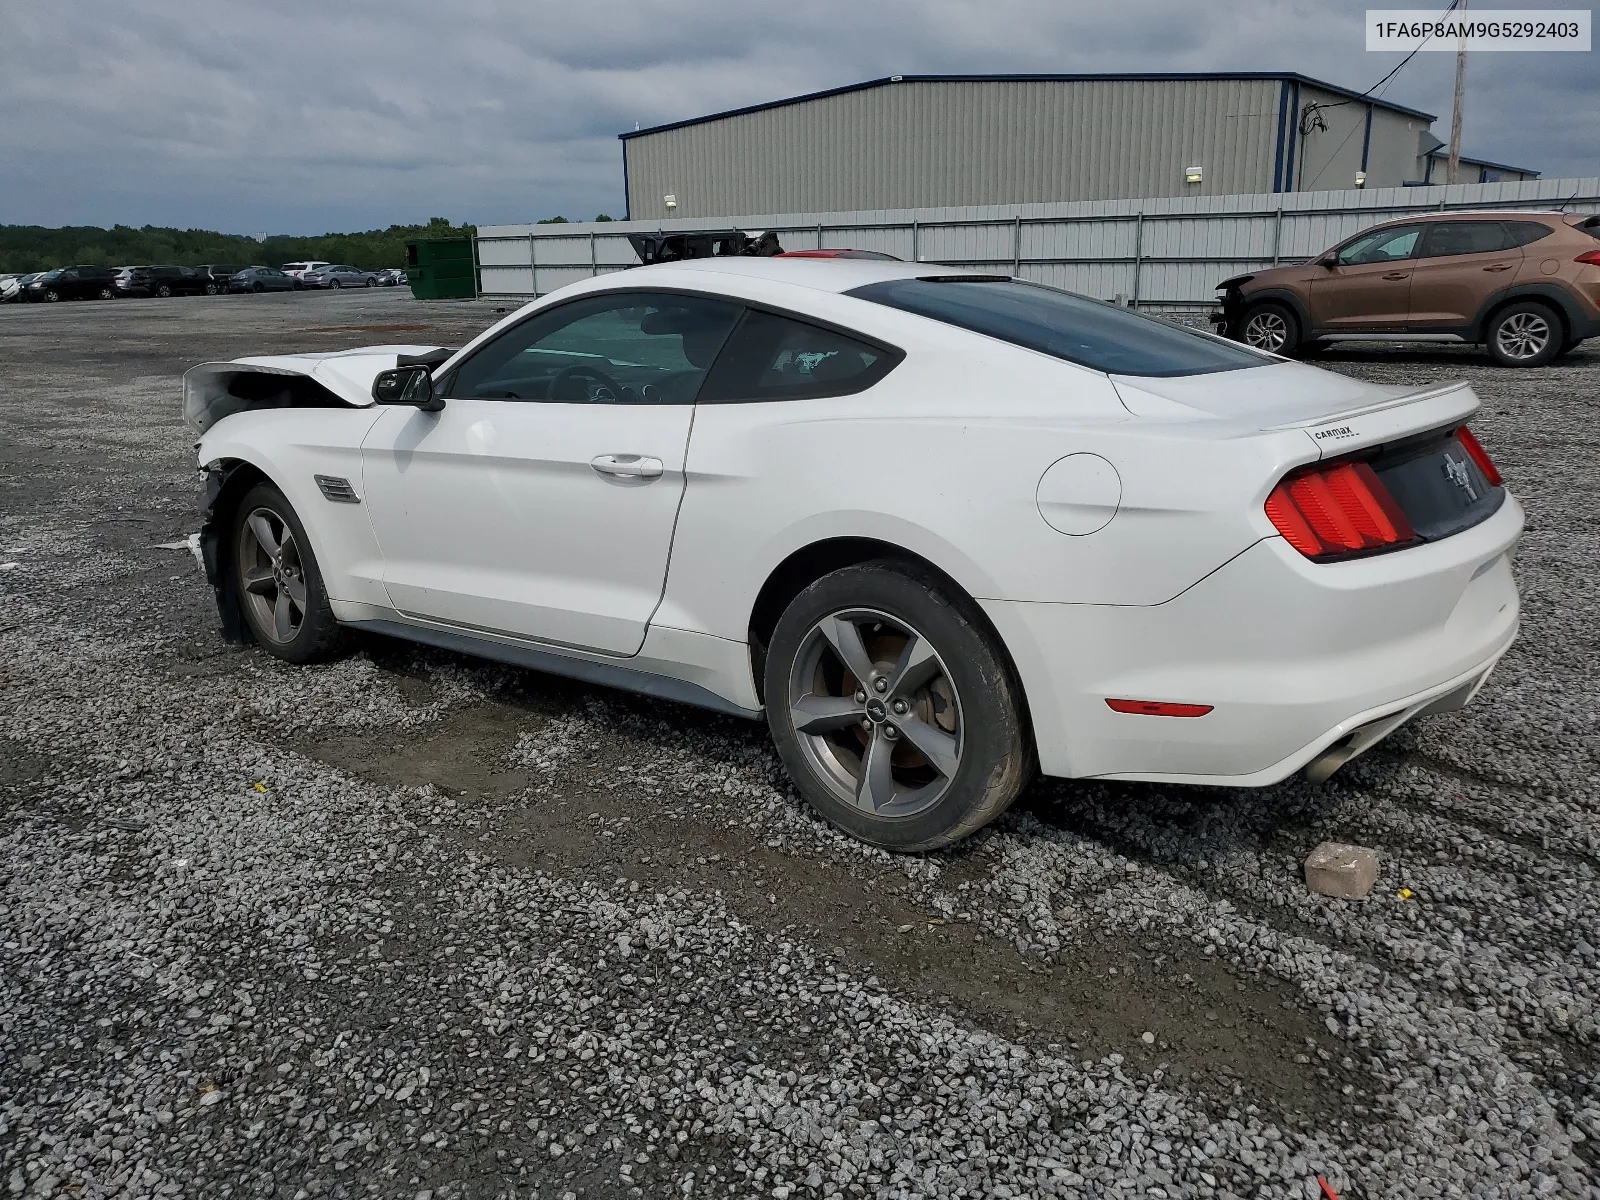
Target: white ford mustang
{"points": [[940, 529]]}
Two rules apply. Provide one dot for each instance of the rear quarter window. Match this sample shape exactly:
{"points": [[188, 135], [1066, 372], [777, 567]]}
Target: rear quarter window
{"points": [[1063, 325]]}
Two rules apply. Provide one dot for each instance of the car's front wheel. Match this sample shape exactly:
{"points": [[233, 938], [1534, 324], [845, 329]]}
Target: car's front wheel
{"points": [[211, 289], [280, 589], [1525, 334], [1270, 327], [51, 294], [893, 709]]}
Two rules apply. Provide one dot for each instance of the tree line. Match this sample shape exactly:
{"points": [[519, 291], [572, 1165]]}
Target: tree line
{"points": [[25, 248]]}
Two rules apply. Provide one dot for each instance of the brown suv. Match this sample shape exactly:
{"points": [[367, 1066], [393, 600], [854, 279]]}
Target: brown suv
{"points": [[1524, 284]]}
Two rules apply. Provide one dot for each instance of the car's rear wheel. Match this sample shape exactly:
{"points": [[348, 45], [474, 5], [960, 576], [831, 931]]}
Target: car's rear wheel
{"points": [[894, 711], [335, 283], [1525, 334], [211, 289], [105, 293], [1270, 327], [163, 290], [371, 282], [257, 286], [280, 589]]}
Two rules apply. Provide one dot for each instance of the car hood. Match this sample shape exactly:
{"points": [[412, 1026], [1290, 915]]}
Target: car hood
{"points": [[346, 374], [1285, 395]]}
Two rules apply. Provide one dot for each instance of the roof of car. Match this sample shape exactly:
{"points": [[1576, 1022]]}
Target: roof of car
{"points": [[819, 274]]}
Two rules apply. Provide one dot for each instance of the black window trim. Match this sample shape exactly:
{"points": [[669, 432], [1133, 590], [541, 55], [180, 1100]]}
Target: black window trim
{"points": [[894, 355]]}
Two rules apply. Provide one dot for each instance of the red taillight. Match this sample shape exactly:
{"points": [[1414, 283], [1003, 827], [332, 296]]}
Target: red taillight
{"points": [[1478, 454], [1332, 511], [1157, 708], [1592, 257]]}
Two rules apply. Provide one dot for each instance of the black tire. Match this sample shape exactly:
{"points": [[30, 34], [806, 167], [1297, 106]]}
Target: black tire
{"points": [[315, 634], [335, 283], [1568, 346], [163, 290], [1524, 334], [211, 289], [51, 294], [372, 282], [105, 293], [970, 703], [257, 286], [297, 286], [1270, 326]]}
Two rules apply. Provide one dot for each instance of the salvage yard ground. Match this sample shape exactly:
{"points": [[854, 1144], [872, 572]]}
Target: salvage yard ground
{"points": [[414, 924]]}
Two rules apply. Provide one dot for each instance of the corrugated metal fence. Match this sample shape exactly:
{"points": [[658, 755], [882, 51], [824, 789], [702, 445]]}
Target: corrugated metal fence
{"points": [[1166, 253]]}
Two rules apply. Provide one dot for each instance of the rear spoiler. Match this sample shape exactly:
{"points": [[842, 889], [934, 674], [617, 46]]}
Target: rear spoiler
{"points": [[1386, 420]]}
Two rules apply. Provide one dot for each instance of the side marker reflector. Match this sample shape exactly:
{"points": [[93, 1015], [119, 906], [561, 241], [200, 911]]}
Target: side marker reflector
{"points": [[1158, 708]]}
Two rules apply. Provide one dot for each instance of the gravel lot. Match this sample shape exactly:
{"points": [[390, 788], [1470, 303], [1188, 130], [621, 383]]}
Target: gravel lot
{"points": [[413, 925]]}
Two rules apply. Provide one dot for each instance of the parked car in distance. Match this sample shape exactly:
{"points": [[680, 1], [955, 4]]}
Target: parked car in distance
{"points": [[1525, 285], [335, 276], [392, 277], [219, 274], [839, 253], [262, 279], [296, 270], [20, 293], [1172, 558], [9, 287], [73, 283], [163, 280]]}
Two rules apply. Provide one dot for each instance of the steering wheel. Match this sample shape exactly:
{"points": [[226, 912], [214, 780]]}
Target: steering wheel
{"points": [[558, 385]]}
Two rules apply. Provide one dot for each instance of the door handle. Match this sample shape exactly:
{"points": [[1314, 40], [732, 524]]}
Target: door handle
{"points": [[1398, 275], [628, 466], [1499, 267]]}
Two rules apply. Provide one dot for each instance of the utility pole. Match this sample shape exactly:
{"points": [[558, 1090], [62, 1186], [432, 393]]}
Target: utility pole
{"points": [[1455, 112]]}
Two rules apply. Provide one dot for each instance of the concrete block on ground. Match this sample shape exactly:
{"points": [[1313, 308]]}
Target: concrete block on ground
{"points": [[1341, 871]]}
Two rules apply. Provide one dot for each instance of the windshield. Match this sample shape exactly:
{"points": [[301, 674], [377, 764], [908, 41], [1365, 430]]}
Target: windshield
{"points": [[1063, 325]]}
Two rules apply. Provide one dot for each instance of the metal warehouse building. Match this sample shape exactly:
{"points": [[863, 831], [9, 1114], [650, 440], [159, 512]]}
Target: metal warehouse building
{"points": [[916, 141]]}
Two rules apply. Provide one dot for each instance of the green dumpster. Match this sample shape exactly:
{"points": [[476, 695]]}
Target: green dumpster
{"points": [[441, 269]]}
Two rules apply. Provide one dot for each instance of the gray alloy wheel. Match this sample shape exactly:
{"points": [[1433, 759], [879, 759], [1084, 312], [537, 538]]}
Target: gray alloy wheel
{"points": [[105, 293], [1266, 329], [272, 579], [1524, 337], [51, 294], [163, 290], [371, 282], [335, 283], [211, 289], [876, 714]]}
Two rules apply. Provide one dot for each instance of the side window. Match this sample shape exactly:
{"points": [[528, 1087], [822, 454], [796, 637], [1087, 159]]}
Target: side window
{"points": [[772, 357], [1381, 246], [1448, 238], [614, 348], [1523, 233]]}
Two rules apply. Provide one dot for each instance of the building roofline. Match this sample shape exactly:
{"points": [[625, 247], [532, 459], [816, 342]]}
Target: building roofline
{"points": [[1132, 77], [1444, 153]]}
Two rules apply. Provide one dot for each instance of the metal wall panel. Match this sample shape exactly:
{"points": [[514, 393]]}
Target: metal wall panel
{"points": [[910, 144], [1166, 252]]}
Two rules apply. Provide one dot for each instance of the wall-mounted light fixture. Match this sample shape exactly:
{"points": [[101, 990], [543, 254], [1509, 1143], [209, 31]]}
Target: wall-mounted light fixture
{"points": [[1191, 174], [672, 202], [1361, 179]]}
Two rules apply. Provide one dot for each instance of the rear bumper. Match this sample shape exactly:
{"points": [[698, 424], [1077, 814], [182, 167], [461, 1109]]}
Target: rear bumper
{"points": [[1294, 657]]}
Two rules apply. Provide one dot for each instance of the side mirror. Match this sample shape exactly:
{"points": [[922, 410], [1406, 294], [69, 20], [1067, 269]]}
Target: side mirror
{"points": [[411, 385], [1330, 259]]}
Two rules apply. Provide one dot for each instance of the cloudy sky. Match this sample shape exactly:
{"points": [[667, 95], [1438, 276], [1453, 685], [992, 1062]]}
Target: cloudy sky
{"points": [[293, 116]]}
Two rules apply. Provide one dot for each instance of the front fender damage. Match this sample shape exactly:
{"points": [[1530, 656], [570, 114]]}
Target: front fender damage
{"points": [[225, 484]]}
